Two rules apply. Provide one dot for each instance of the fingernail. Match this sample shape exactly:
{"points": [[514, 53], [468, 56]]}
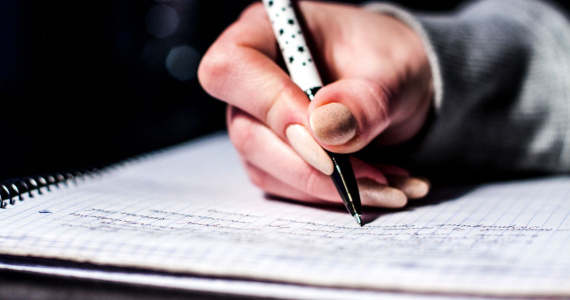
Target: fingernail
{"points": [[304, 144], [333, 124], [413, 187], [376, 194]]}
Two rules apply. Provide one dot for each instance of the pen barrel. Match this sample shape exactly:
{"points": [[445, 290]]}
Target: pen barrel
{"points": [[345, 182], [293, 44], [304, 73], [343, 175]]}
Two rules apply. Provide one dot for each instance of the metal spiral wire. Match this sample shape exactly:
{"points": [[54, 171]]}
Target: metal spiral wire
{"points": [[17, 189]]}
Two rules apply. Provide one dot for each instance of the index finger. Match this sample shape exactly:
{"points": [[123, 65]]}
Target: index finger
{"points": [[240, 68]]}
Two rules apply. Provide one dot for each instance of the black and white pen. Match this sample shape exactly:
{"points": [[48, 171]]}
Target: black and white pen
{"points": [[304, 73]]}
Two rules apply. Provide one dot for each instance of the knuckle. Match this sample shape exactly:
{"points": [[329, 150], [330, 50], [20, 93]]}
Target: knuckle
{"points": [[241, 132], [282, 104], [378, 115], [312, 182], [211, 70], [273, 111], [383, 97]]}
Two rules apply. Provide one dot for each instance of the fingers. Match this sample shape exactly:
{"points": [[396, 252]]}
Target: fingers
{"points": [[276, 187], [372, 193], [240, 69], [260, 147], [346, 115], [276, 168], [274, 127], [412, 187]]}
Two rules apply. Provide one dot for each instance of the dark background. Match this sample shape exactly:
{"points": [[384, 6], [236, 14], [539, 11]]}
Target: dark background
{"points": [[86, 84]]}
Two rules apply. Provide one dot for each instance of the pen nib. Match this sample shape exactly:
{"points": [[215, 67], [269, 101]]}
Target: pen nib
{"points": [[358, 220]]}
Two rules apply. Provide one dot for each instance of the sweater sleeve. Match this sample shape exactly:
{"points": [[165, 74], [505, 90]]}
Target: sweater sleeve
{"points": [[502, 79]]}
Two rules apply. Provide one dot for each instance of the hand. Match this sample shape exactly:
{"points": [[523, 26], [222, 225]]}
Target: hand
{"points": [[380, 93]]}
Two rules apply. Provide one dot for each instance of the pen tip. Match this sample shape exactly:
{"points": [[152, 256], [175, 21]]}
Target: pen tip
{"points": [[358, 220]]}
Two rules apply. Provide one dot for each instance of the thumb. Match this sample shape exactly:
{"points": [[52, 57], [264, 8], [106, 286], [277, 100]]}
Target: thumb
{"points": [[347, 114]]}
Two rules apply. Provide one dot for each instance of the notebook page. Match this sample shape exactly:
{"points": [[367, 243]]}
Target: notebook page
{"points": [[192, 210]]}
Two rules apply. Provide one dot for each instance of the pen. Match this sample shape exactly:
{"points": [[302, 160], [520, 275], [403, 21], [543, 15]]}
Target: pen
{"points": [[304, 73]]}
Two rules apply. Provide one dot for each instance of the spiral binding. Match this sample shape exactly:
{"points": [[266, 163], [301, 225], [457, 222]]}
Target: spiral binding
{"points": [[14, 190]]}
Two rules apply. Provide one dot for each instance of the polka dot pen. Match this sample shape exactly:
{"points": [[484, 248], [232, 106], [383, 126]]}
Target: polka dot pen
{"points": [[304, 73]]}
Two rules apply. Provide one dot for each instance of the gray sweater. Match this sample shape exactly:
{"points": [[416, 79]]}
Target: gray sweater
{"points": [[502, 79]]}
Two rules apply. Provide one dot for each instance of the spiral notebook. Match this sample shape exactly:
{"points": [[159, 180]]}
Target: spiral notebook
{"points": [[191, 212]]}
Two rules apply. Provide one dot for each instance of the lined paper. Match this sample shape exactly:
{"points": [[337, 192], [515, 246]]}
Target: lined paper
{"points": [[192, 210]]}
